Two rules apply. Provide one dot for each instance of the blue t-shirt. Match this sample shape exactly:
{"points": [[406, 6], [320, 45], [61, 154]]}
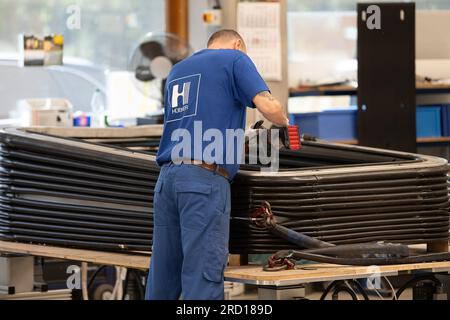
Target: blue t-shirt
{"points": [[206, 95]]}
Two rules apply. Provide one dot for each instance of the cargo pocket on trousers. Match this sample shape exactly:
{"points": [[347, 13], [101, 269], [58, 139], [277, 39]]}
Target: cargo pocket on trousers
{"points": [[216, 257], [158, 211], [194, 204]]}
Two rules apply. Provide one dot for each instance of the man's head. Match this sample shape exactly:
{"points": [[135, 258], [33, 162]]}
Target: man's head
{"points": [[227, 39]]}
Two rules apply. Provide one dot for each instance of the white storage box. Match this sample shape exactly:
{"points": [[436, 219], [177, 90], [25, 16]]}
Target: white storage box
{"points": [[45, 112]]}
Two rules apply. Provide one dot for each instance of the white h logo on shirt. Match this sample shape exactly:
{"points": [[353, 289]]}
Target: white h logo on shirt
{"points": [[182, 104], [184, 93]]}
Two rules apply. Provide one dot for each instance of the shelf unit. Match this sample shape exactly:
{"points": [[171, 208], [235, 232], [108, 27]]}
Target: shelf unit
{"points": [[430, 140], [347, 90]]}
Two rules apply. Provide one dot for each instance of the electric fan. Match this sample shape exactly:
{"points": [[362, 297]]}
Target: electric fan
{"points": [[150, 65]]}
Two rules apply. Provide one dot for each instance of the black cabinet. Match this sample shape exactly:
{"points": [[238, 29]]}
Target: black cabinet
{"points": [[386, 75]]}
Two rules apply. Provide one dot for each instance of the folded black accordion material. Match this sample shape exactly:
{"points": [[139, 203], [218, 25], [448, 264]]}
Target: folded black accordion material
{"points": [[98, 195]]}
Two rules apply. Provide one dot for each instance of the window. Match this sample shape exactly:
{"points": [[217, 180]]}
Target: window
{"points": [[108, 30], [350, 5], [322, 37]]}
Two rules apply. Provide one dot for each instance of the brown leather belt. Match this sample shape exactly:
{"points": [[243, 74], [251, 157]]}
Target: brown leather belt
{"points": [[210, 167]]}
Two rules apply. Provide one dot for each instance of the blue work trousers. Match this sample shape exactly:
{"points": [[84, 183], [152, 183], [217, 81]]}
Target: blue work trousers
{"points": [[190, 235]]}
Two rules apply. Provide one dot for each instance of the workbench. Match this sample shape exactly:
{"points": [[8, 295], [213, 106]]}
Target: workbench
{"points": [[271, 285], [322, 272], [127, 260]]}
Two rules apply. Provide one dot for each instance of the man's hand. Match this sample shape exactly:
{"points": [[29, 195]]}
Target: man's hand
{"points": [[270, 108]]}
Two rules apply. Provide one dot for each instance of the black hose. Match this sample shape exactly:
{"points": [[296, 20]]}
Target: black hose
{"points": [[320, 251], [134, 274], [298, 255], [344, 288], [360, 288], [94, 275], [140, 286], [299, 239], [125, 284], [360, 250], [329, 288], [413, 281]]}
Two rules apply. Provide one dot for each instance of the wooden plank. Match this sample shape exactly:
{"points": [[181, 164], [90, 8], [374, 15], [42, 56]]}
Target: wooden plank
{"points": [[347, 88], [324, 272], [432, 85], [100, 133], [61, 294], [419, 140], [329, 88], [433, 139], [136, 261]]}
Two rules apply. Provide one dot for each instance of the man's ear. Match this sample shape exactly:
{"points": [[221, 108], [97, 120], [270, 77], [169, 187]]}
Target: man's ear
{"points": [[239, 45]]}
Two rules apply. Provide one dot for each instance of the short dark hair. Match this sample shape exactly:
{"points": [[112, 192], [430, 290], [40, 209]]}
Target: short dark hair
{"points": [[224, 33]]}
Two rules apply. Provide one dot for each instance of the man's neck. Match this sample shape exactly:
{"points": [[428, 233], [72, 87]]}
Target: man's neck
{"points": [[220, 47]]}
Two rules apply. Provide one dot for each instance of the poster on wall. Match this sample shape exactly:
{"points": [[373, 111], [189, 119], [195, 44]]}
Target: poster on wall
{"points": [[260, 26], [36, 51]]}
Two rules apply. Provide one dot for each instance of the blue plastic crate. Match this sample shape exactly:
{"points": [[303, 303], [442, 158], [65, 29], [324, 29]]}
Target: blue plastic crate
{"points": [[445, 120], [428, 121], [329, 124]]}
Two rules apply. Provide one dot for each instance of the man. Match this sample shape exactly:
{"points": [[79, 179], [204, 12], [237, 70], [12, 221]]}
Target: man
{"points": [[192, 199]]}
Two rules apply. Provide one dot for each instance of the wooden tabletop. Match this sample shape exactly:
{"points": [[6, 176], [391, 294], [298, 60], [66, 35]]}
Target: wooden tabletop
{"points": [[245, 274], [324, 272], [128, 260], [99, 133]]}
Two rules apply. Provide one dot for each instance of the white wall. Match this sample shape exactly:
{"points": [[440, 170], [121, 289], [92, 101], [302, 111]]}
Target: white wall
{"points": [[433, 34], [198, 32]]}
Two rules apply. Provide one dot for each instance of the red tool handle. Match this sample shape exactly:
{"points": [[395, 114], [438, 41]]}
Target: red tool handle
{"points": [[294, 137]]}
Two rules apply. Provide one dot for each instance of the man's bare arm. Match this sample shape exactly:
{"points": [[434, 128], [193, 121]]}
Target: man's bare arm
{"points": [[270, 108]]}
